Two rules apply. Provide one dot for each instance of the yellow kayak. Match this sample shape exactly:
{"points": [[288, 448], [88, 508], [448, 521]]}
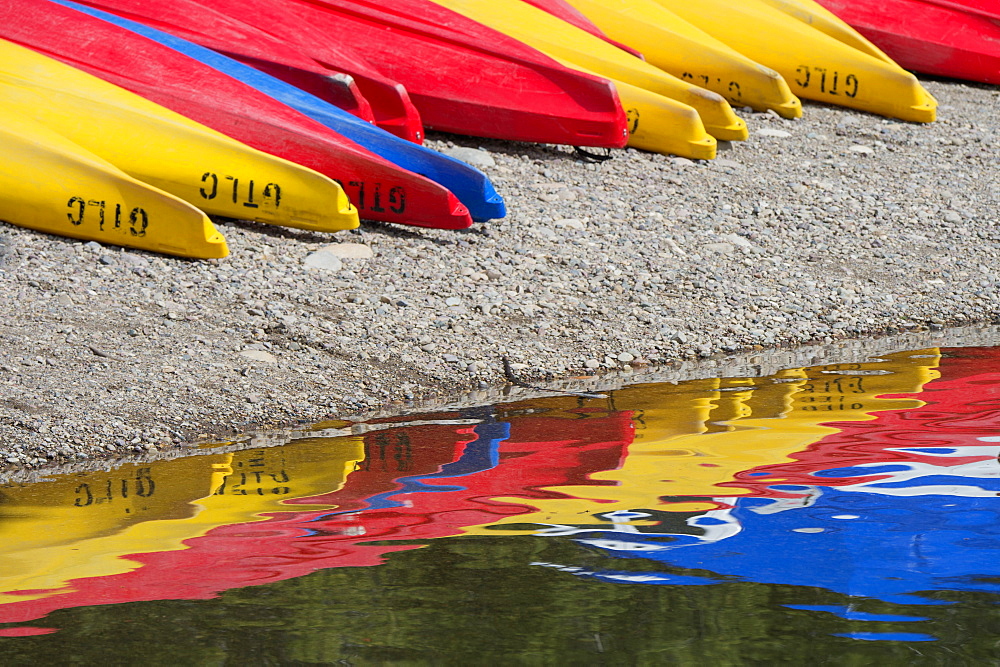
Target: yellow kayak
{"points": [[166, 150], [816, 66], [53, 185], [662, 125], [675, 46], [819, 17], [580, 50]]}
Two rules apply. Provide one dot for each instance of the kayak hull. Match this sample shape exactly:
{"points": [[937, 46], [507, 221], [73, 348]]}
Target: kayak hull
{"points": [[470, 185], [92, 200], [189, 160], [816, 66], [505, 90], [570, 14], [954, 39], [579, 49], [259, 34], [679, 48], [380, 190]]}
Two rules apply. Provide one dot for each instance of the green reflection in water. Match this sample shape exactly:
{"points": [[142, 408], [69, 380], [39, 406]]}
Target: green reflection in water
{"points": [[471, 601]]}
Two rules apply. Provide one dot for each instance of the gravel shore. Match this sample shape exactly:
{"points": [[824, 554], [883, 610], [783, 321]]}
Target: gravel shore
{"points": [[838, 225]]}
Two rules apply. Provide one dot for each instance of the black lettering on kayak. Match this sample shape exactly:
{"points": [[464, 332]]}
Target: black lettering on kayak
{"points": [[358, 193], [633, 120], [79, 203], [829, 81], [377, 199], [118, 216], [822, 78], [249, 203], [804, 71], [273, 191], [138, 221], [360, 185], [397, 200], [100, 212], [210, 194], [236, 186], [851, 80], [735, 92]]}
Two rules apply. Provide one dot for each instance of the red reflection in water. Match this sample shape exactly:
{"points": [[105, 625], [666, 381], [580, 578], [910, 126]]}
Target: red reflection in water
{"points": [[26, 631], [540, 452], [962, 406]]}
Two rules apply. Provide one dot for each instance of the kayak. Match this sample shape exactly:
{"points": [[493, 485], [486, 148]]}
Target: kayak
{"points": [[379, 189], [92, 199], [570, 14], [580, 49], [953, 38], [816, 66], [654, 123], [250, 45], [815, 15], [168, 151], [675, 46], [470, 185], [492, 87], [258, 33]]}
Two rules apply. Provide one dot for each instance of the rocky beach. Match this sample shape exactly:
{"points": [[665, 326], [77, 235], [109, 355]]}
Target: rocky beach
{"points": [[839, 225]]}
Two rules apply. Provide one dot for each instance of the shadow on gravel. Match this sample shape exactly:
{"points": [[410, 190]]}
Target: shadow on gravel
{"points": [[542, 152]]}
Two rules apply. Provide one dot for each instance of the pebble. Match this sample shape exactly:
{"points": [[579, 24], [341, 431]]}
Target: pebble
{"points": [[259, 355], [571, 223], [348, 250], [719, 248], [473, 156], [640, 258], [324, 259]]}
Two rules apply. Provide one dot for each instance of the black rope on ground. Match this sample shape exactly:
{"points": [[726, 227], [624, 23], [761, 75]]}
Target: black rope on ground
{"points": [[587, 156]]}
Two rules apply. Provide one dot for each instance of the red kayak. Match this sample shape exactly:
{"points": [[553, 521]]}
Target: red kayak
{"points": [[381, 190], [570, 14], [258, 33], [959, 39], [474, 80]]}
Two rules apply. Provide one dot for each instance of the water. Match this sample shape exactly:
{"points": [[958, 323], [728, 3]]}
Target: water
{"points": [[836, 513]]}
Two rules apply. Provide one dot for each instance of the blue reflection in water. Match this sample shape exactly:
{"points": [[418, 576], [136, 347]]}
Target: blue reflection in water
{"points": [[857, 544], [851, 614], [887, 636], [896, 533]]}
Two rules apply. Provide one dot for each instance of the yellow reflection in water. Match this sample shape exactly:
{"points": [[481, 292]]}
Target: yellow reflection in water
{"points": [[84, 525], [692, 436]]}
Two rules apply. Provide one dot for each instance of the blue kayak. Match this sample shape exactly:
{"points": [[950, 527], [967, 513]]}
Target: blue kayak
{"points": [[468, 184]]}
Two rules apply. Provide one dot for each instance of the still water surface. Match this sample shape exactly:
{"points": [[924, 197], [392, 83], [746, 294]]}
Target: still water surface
{"points": [[835, 513]]}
